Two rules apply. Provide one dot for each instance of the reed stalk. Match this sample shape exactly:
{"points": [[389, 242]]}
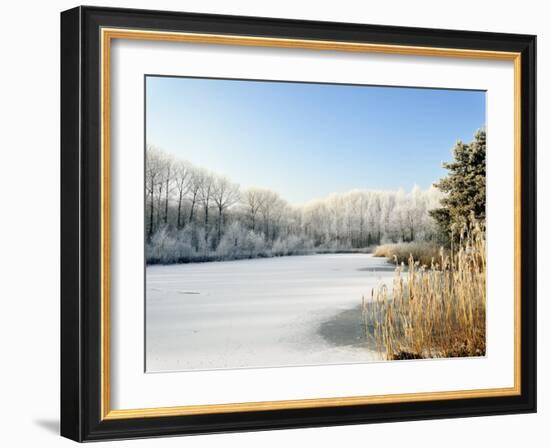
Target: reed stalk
{"points": [[435, 311]]}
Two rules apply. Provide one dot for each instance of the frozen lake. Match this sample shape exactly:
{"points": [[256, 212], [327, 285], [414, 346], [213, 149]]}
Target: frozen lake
{"points": [[297, 310]]}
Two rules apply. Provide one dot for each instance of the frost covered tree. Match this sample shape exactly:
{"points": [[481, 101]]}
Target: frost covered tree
{"points": [[153, 173], [193, 191], [252, 199], [225, 194], [206, 189], [271, 204], [182, 176], [464, 186], [167, 179]]}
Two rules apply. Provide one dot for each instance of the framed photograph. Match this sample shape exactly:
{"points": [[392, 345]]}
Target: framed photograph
{"points": [[273, 223]]}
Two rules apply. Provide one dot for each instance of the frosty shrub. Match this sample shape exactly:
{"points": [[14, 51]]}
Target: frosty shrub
{"points": [[163, 247], [256, 244], [233, 244], [292, 245]]}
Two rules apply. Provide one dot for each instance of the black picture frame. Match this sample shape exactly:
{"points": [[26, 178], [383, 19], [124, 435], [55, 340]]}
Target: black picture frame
{"points": [[81, 224]]}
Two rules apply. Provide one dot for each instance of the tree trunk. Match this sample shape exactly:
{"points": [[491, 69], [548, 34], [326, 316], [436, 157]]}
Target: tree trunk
{"points": [[166, 203], [151, 214], [220, 211], [159, 205], [192, 208], [157, 218], [180, 224], [206, 221]]}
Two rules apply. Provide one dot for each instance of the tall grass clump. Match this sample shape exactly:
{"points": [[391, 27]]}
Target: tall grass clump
{"points": [[436, 311], [423, 252]]}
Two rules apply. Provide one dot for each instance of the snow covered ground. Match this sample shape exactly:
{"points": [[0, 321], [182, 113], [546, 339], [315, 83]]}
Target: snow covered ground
{"points": [[298, 310]]}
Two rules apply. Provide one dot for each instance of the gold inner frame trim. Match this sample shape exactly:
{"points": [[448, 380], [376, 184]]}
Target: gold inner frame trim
{"points": [[107, 35]]}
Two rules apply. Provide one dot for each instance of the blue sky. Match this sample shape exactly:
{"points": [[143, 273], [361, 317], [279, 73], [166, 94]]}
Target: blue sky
{"points": [[306, 141]]}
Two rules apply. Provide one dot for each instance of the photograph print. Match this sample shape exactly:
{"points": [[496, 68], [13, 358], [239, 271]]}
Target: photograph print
{"points": [[295, 223]]}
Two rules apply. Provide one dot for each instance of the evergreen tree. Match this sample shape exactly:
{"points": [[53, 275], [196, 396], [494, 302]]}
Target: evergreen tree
{"points": [[464, 187]]}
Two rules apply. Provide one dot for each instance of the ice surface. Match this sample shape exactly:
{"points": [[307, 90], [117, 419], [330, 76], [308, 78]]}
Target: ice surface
{"points": [[258, 313]]}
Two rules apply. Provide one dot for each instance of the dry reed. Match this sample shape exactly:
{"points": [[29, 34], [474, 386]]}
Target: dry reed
{"points": [[422, 252], [433, 312]]}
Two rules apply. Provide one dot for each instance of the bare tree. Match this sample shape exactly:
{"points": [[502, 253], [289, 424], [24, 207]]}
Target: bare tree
{"points": [[182, 177], [224, 194], [167, 164], [193, 191], [253, 201], [280, 211], [386, 212], [160, 189], [153, 173], [206, 188], [363, 205], [269, 201], [374, 213]]}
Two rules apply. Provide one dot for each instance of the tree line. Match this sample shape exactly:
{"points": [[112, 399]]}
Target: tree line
{"points": [[192, 214]]}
